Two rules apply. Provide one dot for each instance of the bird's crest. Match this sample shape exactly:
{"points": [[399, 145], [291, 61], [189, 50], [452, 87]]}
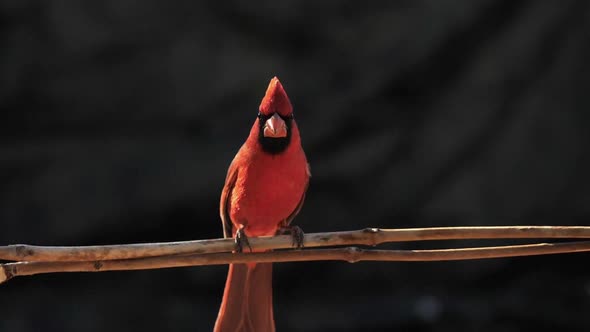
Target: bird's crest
{"points": [[276, 100]]}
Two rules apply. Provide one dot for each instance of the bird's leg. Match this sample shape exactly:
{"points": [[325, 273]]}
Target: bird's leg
{"points": [[241, 240], [296, 233]]}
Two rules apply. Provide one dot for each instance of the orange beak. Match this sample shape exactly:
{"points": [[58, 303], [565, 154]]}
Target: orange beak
{"points": [[275, 127]]}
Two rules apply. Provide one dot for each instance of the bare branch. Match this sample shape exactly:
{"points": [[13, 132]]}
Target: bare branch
{"points": [[349, 254], [368, 236]]}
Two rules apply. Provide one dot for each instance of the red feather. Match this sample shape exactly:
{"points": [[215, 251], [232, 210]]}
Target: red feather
{"points": [[263, 192]]}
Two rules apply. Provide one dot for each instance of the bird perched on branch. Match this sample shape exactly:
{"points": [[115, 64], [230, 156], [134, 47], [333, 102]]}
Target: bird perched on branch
{"points": [[264, 190]]}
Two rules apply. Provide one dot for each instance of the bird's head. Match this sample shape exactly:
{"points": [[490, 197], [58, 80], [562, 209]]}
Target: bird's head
{"points": [[275, 118]]}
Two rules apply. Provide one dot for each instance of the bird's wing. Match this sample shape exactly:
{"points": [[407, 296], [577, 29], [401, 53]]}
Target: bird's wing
{"points": [[225, 201], [300, 204]]}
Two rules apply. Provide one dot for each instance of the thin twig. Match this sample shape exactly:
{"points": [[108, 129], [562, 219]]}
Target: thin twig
{"points": [[349, 254], [367, 236]]}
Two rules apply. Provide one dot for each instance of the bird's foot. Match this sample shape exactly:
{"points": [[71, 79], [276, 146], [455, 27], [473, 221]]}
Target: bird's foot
{"points": [[296, 233], [241, 240]]}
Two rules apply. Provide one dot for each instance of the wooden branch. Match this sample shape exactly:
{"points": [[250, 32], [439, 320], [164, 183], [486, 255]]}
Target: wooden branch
{"points": [[350, 254], [368, 236]]}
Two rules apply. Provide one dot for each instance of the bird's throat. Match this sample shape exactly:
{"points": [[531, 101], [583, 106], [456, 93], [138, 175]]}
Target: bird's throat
{"points": [[274, 145]]}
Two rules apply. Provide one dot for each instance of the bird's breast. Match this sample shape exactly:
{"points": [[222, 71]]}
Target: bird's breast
{"points": [[267, 191]]}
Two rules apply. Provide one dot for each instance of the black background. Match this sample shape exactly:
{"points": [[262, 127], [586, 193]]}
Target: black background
{"points": [[119, 118]]}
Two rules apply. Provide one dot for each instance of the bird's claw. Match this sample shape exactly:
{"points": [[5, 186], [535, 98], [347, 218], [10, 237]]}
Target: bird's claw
{"points": [[296, 234], [241, 240]]}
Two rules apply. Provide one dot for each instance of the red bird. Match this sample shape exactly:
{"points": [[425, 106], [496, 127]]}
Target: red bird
{"points": [[264, 190]]}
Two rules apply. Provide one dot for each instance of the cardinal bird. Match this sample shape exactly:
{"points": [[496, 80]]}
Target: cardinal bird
{"points": [[264, 190]]}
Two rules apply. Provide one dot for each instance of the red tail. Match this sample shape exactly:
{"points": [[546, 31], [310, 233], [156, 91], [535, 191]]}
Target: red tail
{"points": [[247, 300]]}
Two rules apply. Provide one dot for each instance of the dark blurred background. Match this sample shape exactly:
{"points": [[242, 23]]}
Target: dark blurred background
{"points": [[119, 118]]}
